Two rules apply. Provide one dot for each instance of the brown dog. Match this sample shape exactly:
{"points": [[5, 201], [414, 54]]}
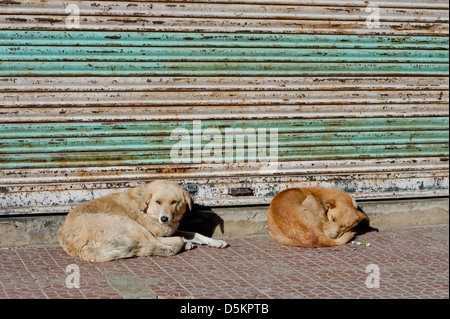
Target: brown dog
{"points": [[313, 217], [137, 222]]}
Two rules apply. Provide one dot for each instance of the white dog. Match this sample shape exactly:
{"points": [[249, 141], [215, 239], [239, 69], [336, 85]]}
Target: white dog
{"points": [[137, 222]]}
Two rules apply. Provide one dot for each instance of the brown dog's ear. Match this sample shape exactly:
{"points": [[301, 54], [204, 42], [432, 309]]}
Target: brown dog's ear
{"points": [[143, 197], [362, 216], [330, 205], [188, 198]]}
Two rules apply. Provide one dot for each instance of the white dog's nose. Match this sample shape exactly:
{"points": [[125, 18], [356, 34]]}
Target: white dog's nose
{"points": [[164, 219]]}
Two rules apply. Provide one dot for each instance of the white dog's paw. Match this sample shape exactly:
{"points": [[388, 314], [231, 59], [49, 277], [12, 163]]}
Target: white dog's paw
{"points": [[217, 243], [189, 246], [169, 251]]}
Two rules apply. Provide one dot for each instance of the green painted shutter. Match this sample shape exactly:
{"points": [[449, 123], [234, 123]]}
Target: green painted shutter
{"points": [[110, 98]]}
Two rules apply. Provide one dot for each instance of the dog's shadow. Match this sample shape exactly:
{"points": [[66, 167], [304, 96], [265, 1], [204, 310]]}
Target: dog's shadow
{"points": [[364, 226], [201, 219]]}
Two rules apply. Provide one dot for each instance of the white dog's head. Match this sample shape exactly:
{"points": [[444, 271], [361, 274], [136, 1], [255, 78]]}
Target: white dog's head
{"points": [[163, 203]]}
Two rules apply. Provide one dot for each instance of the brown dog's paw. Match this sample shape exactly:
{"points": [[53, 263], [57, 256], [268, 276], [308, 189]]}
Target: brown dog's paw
{"points": [[169, 250]]}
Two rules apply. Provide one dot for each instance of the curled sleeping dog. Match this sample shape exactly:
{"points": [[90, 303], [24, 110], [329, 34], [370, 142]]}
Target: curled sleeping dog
{"points": [[137, 222], [313, 217]]}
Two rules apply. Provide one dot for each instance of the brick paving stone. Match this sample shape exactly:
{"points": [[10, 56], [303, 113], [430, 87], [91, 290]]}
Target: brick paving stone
{"points": [[413, 263]]}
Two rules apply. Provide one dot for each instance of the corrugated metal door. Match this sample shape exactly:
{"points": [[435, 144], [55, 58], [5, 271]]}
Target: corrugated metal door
{"points": [[236, 100]]}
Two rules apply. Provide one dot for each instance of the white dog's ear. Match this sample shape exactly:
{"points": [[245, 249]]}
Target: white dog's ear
{"points": [[143, 196], [189, 200]]}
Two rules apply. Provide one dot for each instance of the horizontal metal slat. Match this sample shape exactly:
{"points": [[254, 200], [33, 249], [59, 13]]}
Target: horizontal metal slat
{"points": [[219, 10], [438, 4], [161, 128], [95, 54], [106, 23], [219, 40], [71, 176], [228, 98], [157, 157], [167, 84], [251, 112], [102, 144], [218, 69]]}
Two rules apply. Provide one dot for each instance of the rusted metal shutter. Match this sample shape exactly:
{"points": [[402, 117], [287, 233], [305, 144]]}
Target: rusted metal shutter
{"points": [[96, 96]]}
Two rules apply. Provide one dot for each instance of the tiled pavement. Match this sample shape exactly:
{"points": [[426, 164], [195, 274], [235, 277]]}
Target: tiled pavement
{"points": [[413, 262]]}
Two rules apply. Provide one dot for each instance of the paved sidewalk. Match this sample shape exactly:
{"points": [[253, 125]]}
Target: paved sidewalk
{"points": [[413, 262]]}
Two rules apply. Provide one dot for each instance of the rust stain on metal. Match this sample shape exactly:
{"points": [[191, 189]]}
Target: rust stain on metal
{"points": [[100, 110]]}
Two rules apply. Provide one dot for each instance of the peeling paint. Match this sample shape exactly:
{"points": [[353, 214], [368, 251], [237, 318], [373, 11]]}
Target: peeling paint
{"points": [[83, 114]]}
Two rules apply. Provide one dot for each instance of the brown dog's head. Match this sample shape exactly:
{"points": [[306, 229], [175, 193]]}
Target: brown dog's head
{"points": [[163, 202], [342, 210]]}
